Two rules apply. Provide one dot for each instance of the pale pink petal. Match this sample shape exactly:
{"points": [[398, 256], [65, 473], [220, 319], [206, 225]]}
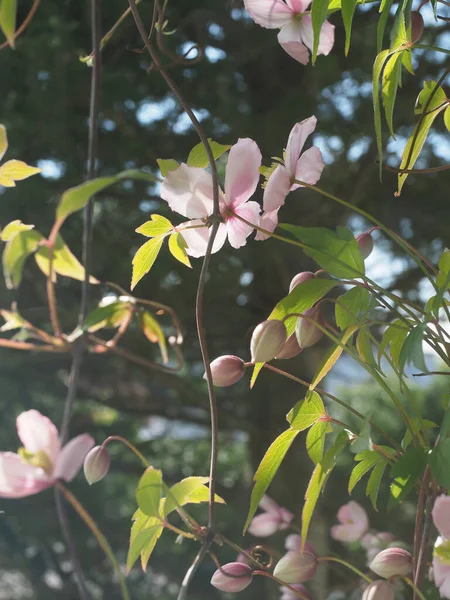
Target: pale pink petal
{"points": [[268, 504], [294, 542], [326, 38], [346, 533], [72, 457], [197, 239], [309, 167], [19, 479], [267, 221], [38, 433], [188, 191], [271, 14], [298, 6], [296, 141], [286, 518], [290, 40], [277, 188], [264, 524], [441, 515], [355, 523], [444, 588], [242, 172], [440, 571], [238, 231]]}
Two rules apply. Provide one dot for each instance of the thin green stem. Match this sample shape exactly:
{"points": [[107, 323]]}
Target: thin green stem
{"points": [[346, 564], [433, 48], [414, 588]]}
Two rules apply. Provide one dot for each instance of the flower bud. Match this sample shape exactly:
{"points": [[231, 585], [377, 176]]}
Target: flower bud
{"points": [[232, 577], [290, 348], [296, 567], [365, 243], [379, 590], [267, 340], [306, 331], [96, 464], [300, 278], [417, 26], [227, 370], [391, 562]]}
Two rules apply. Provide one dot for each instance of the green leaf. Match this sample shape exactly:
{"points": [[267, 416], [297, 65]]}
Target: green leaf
{"points": [[16, 252], [406, 471], [422, 425], [64, 262], [391, 80], [439, 460], [394, 335], [109, 315], [144, 258], [338, 253], [158, 225], [76, 198], [364, 348], [350, 305], [177, 247], [368, 459], [13, 228], [315, 440], [319, 10], [447, 118], [268, 468], [8, 13], [385, 9], [185, 492], [376, 75], [166, 165], [302, 297], [3, 141], [12, 320], [332, 356], [374, 482], [306, 412], [148, 494], [433, 98], [348, 10], [153, 332], [318, 478], [15, 170], [142, 541], [363, 441], [412, 349], [198, 156]]}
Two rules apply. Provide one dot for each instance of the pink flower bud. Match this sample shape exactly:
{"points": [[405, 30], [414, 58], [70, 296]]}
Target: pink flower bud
{"points": [[290, 348], [417, 26], [96, 464], [300, 278], [227, 370], [392, 562], [306, 331], [232, 577], [267, 340], [296, 567], [379, 590], [365, 243]]}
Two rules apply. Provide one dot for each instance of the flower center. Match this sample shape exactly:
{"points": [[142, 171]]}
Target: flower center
{"points": [[443, 552], [39, 459]]}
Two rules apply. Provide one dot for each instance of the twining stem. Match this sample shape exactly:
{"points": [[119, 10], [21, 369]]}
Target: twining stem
{"points": [[102, 541], [346, 564]]}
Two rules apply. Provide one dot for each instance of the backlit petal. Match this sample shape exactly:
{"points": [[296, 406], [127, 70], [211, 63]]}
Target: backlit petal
{"points": [[309, 167], [267, 221], [38, 433], [290, 40], [197, 239], [188, 191], [441, 515], [71, 457], [19, 479], [276, 190], [271, 14], [296, 141], [268, 504], [264, 525], [326, 38], [242, 172], [238, 231], [298, 6]]}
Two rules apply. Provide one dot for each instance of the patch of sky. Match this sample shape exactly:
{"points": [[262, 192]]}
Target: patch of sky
{"points": [[358, 149], [51, 169], [148, 112], [216, 31], [329, 146], [148, 206], [183, 123], [43, 75], [108, 125], [246, 278], [214, 54]]}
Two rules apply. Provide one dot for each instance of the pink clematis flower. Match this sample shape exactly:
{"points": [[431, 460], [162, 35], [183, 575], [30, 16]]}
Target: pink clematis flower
{"points": [[441, 555], [41, 461], [305, 167], [296, 32], [189, 192], [353, 523], [273, 519]]}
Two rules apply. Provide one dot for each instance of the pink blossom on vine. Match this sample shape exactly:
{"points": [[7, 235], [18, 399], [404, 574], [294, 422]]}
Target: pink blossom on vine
{"points": [[296, 32], [232, 577], [305, 167], [354, 523], [441, 555], [189, 192], [274, 518], [296, 566], [41, 460], [392, 562]]}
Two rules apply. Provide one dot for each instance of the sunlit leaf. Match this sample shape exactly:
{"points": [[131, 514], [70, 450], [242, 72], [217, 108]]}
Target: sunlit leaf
{"points": [[406, 471], [3, 141], [315, 440], [13, 228], [166, 165], [143, 541], [12, 320], [182, 492], [348, 10], [394, 335], [391, 80], [319, 10], [447, 118], [422, 425], [177, 247], [144, 258], [198, 156], [385, 8], [153, 332], [15, 170], [376, 75], [350, 306], [149, 491], [367, 460], [158, 225], [412, 349], [8, 14], [332, 356], [16, 252], [110, 315], [374, 482], [364, 348], [64, 262], [306, 412]]}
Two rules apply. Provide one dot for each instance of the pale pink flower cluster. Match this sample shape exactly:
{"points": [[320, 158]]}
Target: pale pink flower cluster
{"points": [[42, 460], [294, 21], [353, 523], [441, 557]]}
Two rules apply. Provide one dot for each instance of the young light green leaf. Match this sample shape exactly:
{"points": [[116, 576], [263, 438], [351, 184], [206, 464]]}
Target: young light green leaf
{"points": [[15, 170], [376, 75], [268, 468], [144, 258], [142, 541], [439, 460], [348, 10], [318, 478], [364, 348], [166, 165], [363, 441], [433, 99], [374, 482], [153, 332], [394, 335], [350, 306], [422, 425], [332, 356], [110, 315], [447, 118], [391, 80], [177, 247], [406, 471], [319, 10], [158, 225], [306, 412], [385, 8], [198, 156], [12, 320], [368, 459], [8, 14], [12, 229], [16, 252], [187, 491], [315, 440], [148, 494], [64, 262], [3, 141], [412, 349]]}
